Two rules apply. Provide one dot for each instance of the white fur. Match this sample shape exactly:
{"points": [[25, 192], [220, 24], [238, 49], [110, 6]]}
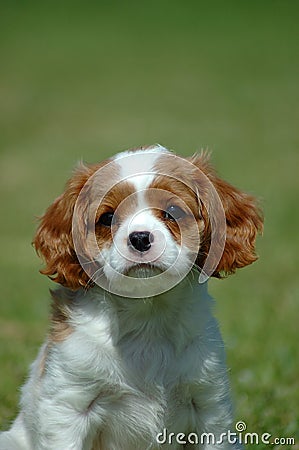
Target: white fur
{"points": [[130, 368], [138, 165]]}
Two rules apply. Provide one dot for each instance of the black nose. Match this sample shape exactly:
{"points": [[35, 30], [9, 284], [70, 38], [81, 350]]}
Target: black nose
{"points": [[141, 240]]}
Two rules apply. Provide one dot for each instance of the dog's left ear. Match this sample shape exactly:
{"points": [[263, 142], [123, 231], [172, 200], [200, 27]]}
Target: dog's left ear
{"points": [[243, 221]]}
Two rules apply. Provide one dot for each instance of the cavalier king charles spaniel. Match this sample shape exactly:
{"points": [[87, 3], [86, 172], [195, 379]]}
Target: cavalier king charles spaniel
{"points": [[134, 359]]}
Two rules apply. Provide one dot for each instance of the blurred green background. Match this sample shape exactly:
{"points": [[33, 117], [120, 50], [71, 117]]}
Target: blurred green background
{"points": [[86, 80]]}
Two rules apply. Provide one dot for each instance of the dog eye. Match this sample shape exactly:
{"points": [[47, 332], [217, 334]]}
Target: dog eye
{"points": [[106, 219], [173, 213]]}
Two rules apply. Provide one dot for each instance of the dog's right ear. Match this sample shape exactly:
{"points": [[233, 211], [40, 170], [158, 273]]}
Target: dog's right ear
{"points": [[53, 239]]}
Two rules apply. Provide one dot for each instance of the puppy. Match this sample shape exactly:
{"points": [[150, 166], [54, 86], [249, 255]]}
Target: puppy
{"points": [[134, 359]]}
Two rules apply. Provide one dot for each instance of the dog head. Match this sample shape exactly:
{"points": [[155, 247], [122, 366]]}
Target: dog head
{"points": [[137, 223]]}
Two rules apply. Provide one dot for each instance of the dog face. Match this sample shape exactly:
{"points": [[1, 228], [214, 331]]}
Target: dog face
{"points": [[146, 215], [146, 225]]}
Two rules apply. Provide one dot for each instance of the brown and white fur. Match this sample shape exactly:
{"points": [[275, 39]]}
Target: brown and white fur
{"points": [[117, 368]]}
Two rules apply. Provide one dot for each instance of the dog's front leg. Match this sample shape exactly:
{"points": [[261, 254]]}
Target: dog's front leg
{"points": [[212, 416], [58, 423], [50, 423], [57, 410]]}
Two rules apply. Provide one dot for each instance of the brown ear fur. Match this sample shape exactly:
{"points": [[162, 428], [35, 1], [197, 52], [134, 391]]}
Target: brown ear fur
{"points": [[243, 221], [53, 239]]}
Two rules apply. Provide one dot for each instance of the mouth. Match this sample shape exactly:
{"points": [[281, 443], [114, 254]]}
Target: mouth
{"points": [[143, 270]]}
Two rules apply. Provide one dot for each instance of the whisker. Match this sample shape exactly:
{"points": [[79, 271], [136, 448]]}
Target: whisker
{"points": [[93, 278]]}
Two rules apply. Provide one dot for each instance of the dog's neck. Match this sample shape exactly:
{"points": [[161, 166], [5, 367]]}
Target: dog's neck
{"points": [[178, 297], [159, 315]]}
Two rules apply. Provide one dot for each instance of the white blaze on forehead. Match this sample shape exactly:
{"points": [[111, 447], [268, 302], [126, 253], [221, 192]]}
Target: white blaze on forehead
{"points": [[137, 166], [141, 221]]}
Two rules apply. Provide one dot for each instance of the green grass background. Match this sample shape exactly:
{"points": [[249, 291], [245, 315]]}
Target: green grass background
{"points": [[85, 80]]}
